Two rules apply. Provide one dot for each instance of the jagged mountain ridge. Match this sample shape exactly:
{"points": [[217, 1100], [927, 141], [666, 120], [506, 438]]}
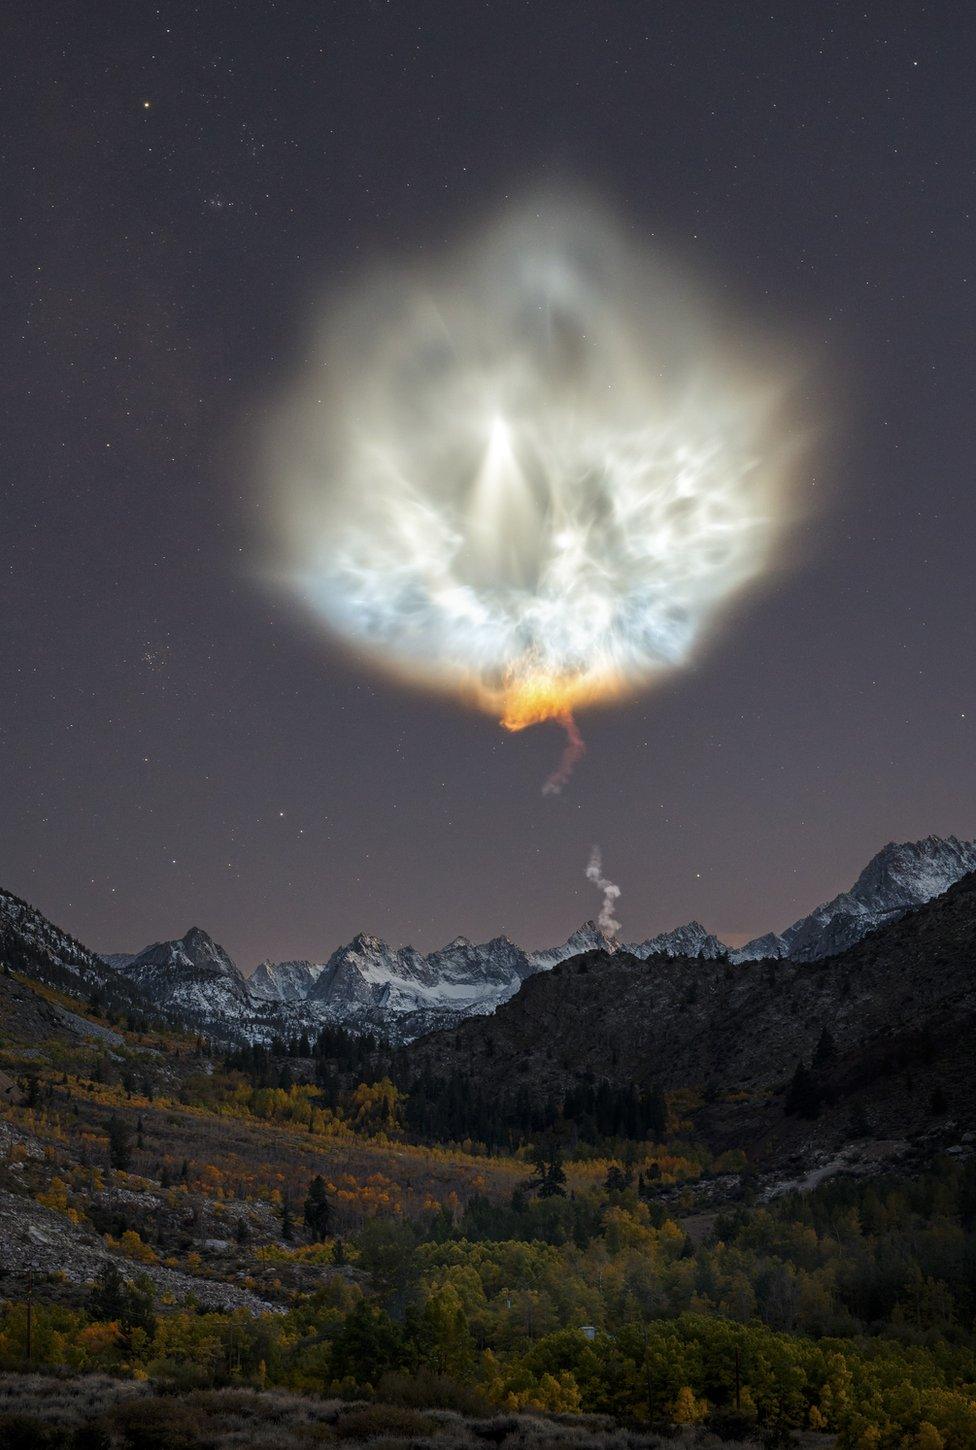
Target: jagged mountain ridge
{"points": [[899, 1007], [369, 984], [194, 977], [901, 876], [399, 992], [32, 944], [284, 981], [686, 941]]}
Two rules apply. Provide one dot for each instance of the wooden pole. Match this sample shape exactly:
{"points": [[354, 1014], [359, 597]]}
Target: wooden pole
{"points": [[738, 1380], [30, 1312]]}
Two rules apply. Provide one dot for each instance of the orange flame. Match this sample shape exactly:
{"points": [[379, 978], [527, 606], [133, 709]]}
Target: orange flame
{"points": [[532, 700], [534, 696]]}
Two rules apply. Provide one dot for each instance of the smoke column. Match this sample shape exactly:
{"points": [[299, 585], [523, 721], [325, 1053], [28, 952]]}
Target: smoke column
{"points": [[594, 872], [573, 752]]}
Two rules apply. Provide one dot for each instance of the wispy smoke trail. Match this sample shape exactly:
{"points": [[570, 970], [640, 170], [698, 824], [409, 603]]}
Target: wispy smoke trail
{"points": [[594, 872], [573, 752]]}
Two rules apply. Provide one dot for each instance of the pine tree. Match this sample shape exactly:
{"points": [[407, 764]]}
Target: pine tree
{"points": [[119, 1143], [803, 1096], [616, 1180], [826, 1049], [318, 1210], [550, 1174]]}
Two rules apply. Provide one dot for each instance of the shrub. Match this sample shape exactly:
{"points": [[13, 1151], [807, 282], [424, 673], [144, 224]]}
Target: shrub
{"points": [[156, 1424], [425, 1390], [25, 1432], [374, 1420]]}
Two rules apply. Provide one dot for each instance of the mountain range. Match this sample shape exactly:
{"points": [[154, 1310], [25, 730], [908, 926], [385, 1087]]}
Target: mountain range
{"points": [[401, 994], [870, 1044]]}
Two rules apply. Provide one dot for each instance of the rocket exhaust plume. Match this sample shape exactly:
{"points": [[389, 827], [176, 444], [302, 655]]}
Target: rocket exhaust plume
{"points": [[594, 872], [573, 752], [532, 474]]}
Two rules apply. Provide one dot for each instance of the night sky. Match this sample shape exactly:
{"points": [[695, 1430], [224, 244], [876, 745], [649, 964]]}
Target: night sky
{"points": [[180, 746]]}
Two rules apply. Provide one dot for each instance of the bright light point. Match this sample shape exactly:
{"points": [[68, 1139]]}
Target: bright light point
{"points": [[533, 475]]}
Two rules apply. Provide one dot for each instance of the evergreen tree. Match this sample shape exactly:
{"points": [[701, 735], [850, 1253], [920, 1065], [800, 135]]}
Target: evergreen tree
{"points": [[616, 1180], [113, 1297], [826, 1049], [803, 1096], [550, 1174], [119, 1143], [318, 1210]]}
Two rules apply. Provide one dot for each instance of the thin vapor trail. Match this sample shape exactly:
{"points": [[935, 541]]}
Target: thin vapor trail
{"points": [[573, 752]]}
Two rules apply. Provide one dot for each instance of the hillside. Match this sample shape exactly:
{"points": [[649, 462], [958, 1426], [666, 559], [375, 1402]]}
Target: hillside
{"points": [[253, 1244], [897, 1010]]}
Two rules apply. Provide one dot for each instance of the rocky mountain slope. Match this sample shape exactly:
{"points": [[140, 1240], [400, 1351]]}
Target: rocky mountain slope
{"points": [[32, 944], [900, 877], [686, 941], [401, 993], [284, 981], [369, 984], [898, 1009], [193, 977]]}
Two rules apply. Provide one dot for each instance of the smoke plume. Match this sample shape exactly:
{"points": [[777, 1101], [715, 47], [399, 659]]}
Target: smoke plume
{"points": [[573, 752], [594, 872]]}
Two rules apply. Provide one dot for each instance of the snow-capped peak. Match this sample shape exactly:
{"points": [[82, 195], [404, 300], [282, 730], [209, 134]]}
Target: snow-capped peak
{"points": [[284, 981], [691, 940], [901, 876], [586, 938]]}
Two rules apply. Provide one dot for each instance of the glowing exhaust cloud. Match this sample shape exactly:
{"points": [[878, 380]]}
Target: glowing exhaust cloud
{"points": [[530, 473]]}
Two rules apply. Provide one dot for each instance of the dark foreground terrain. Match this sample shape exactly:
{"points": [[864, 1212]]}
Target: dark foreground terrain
{"points": [[731, 1203], [40, 1413]]}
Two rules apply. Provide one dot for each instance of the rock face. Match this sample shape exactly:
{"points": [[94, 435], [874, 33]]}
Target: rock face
{"points": [[686, 941], [193, 977], [769, 947], [369, 984], [587, 938], [119, 960], [32, 944], [284, 981], [898, 878]]}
